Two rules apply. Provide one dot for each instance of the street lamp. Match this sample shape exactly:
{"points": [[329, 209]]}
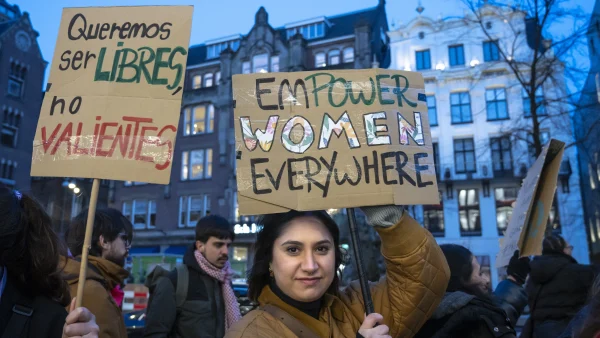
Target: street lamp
{"points": [[72, 185], [76, 190]]}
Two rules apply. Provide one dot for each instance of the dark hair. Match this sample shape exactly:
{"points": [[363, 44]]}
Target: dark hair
{"points": [[273, 226], [553, 244], [460, 261], [29, 248], [108, 222], [590, 326], [213, 226]]}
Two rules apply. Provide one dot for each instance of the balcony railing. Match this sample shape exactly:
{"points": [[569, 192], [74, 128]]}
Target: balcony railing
{"points": [[481, 170]]}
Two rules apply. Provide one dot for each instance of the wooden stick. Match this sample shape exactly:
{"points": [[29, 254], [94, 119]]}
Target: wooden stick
{"points": [[362, 277], [87, 242]]}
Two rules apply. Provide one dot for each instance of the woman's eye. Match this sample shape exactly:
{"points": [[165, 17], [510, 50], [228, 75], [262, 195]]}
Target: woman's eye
{"points": [[323, 249], [293, 250]]}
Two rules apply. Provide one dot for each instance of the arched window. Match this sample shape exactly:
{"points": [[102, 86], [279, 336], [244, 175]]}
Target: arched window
{"points": [[208, 80], [334, 57], [197, 82], [320, 60], [348, 55]]}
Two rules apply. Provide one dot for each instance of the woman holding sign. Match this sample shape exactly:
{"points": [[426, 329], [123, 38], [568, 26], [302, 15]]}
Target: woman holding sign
{"points": [[32, 291], [294, 279]]}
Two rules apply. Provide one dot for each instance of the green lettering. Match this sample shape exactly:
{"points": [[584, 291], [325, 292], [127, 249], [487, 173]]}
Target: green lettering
{"points": [[143, 63], [382, 90], [316, 90], [400, 93], [113, 73], [331, 87], [178, 66], [158, 64], [131, 64], [361, 96], [101, 75]]}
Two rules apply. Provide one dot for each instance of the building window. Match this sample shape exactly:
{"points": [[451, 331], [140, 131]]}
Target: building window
{"points": [[197, 81], [208, 80], [348, 54], [333, 57], [10, 128], [196, 164], [16, 79], [218, 77], [199, 120], [591, 174], [320, 60], [433, 219], [423, 59], [468, 211], [544, 138], [260, 63], [501, 154], [246, 67], [554, 217], [214, 50], [484, 263], [312, 31], [457, 55], [460, 107], [464, 156], [141, 212], [192, 208], [436, 157], [275, 64], [7, 169], [431, 108], [132, 183], [505, 197], [539, 99], [239, 260], [495, 100], [490, 51]]}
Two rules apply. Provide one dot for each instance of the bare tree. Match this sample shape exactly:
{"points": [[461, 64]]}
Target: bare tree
{"points": [[550, 62]]}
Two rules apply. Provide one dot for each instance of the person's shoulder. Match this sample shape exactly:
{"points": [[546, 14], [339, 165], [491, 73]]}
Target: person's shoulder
{"points": [[48, 316], [256, 323]]}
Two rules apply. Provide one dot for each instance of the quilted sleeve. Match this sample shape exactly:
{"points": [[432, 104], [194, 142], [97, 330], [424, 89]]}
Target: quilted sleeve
{"points": [[416, 279]]}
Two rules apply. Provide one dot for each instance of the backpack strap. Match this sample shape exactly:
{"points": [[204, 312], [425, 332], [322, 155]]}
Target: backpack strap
{"points": [[21, 314], [181, 289], [296, 326]]}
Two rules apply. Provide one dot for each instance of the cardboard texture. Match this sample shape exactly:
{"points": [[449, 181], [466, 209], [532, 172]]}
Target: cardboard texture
{"points": [[113, 100], [527, 226], [332, 139]]}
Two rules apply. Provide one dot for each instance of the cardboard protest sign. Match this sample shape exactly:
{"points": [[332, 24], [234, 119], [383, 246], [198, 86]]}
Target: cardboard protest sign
{"points": [[112, 104], [332, 139], [526, 229]]}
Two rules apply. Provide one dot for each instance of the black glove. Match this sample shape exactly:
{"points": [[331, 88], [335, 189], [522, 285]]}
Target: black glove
{"points": [[518, 268]]}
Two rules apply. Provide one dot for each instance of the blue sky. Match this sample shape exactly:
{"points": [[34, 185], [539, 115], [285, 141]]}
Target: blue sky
{"points": [[214, 19]]}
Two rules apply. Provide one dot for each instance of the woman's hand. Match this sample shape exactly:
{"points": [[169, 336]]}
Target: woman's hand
{"points": [[367, 329], [80, 323]]}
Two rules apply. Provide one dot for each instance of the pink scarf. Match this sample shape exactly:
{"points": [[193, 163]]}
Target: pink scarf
{"points": [[118, 295], [232, 308]]}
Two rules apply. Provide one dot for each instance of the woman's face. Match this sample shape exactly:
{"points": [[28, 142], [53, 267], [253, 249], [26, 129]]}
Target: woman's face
{"points": [[568, 249], [304, 259], [479, 283]]}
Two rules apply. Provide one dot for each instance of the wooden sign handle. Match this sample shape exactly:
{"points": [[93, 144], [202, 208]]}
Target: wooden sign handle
{"points": [[89, 229], [362, 276]]}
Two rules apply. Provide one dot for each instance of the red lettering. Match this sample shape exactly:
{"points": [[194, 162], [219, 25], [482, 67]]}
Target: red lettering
{"points": [[64, 137], [137, 121], [138, 155], [76, 149], [169, 145], [122, 140], [45, 142], [102, 136], [95, 137]]}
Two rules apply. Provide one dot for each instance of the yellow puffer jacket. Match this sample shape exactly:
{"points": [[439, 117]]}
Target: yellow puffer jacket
{"points": [[416, 280]]}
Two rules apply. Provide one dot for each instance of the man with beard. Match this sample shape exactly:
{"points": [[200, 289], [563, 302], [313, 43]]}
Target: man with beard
{"points": [[196, 299], [469, 309], [111, 240]]}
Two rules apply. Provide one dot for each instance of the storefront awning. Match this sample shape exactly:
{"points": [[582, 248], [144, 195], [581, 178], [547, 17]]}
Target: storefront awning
{"points": [[144, 250], [176, 250]]}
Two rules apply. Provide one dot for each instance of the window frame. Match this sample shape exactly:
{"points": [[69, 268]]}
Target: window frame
{"points": [[198, 84], [506, 206], [502, 152], [208, 80], [187, 201], [131, 216], [473, 229], [491, 51], [423, 59], [539, 97], [497, 103], [463, 106], [334, 53], [454, 57], [344, 56], [433, 118], [317, 56], [189, 119], [187, 165], [463, 153]]}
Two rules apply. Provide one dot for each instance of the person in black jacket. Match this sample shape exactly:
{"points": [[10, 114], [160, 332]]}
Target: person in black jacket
{"points": [[558, 288], [32, 291], [469, 309], [195, 300]]}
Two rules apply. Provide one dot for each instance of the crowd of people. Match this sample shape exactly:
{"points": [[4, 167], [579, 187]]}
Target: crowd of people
{"points": [[428, 290]]}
